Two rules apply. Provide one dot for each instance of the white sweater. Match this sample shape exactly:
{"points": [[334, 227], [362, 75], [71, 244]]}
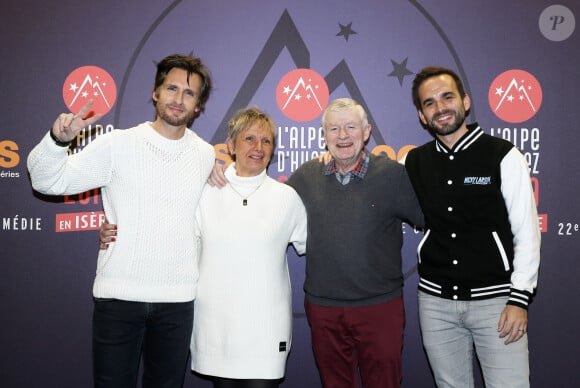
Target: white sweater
{"points": [[151, 186], [243, 314]]}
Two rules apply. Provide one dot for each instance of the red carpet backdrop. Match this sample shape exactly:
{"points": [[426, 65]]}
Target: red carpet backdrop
{"points": [[519, 61]]}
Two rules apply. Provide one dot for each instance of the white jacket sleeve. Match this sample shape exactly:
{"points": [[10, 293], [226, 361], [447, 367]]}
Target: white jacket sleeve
{"points": [[523, 216]]}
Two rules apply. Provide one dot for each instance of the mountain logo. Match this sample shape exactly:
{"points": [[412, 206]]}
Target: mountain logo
{"points": [[515, 96], [89, 83], [302, 95]]}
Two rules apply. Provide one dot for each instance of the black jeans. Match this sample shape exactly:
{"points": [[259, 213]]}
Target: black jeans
{"points": [[123, 331]]}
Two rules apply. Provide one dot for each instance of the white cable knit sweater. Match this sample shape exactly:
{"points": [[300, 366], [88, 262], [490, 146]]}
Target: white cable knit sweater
{"points": [[243, 314], [151, 186]]}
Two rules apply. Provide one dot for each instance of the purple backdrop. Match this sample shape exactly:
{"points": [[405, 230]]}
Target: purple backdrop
{"points": [[368, 50]]}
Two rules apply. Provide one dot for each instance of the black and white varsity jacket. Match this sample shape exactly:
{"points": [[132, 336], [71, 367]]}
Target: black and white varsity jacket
{"points": [[482, 236]]}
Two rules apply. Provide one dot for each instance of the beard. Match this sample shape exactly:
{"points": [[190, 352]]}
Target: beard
{"points": [[447, 128], [187, 119]]}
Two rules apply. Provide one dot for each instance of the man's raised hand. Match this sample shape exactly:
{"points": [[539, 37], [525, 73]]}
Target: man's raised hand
{"points": [[68, 125]]}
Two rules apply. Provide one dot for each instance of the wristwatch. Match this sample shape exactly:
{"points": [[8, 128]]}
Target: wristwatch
{"points": [[58, 142]]}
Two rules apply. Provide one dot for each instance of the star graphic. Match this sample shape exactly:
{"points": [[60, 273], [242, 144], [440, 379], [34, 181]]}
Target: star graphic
{"points": [[346, 31], [400, 70], [74, 87], [499, 91], [286, 90]]}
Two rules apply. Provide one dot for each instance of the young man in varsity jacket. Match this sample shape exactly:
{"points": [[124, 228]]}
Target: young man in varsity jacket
{"points": [[479, 258]]}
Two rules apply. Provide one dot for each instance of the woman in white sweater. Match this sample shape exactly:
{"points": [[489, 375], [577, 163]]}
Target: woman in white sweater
{"points": [[242, 331]]}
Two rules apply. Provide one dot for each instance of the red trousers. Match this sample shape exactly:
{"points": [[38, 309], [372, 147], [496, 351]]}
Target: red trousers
{"points": [[367, 338]]}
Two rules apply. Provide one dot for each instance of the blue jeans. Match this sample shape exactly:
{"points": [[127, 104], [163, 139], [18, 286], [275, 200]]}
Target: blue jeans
{"points": [[123, 330], [451, 329]]}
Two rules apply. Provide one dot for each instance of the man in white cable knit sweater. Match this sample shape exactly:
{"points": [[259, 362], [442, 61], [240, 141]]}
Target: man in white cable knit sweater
{"points": [[151, 178]]}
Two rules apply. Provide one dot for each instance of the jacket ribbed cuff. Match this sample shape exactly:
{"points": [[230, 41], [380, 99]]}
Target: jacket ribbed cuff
{"points": [[520, 298]]}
